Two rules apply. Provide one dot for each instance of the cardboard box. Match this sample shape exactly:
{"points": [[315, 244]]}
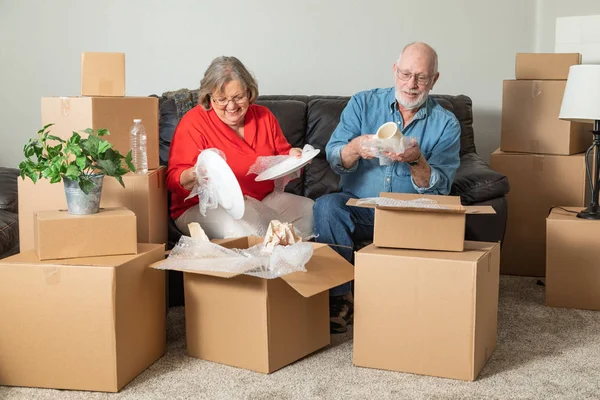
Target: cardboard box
{"points": [[537, 182], [261, 324], [440, 314], [58, 234], [102, 74], [572, 261], [74, 114], [85, 324], [552, 66], [530, 121], [145, 195], [437, 229]]}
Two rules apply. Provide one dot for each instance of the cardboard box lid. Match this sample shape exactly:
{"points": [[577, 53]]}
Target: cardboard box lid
{"points": [[473, 251], [102, 213], [560, 213], [326, 268], [451, 202], [30, 257]]}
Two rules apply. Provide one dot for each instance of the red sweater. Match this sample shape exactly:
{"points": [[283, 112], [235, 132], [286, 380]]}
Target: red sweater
{"points": [[200, 129]]}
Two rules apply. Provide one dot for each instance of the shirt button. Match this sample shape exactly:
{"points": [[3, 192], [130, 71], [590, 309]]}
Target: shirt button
{"points": [[387, 179]]}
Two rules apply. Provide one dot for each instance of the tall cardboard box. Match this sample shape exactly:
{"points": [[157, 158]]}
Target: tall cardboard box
{"points": [[551, 66], [102, 74], [85, 324], [573, 260], [426, 312], [537, 183], [261, 324], [530, 121], [69, 114], [145, 195]]}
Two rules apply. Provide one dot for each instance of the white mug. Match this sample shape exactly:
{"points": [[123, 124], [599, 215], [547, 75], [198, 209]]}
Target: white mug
{"points": [[389, 136]]}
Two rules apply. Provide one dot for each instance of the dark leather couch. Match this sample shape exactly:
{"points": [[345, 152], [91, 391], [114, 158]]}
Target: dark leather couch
{"points": [[312, 119], [9, 218]]}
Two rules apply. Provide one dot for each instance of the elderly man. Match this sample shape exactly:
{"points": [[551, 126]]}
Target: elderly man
{"points": [[427, 166]]}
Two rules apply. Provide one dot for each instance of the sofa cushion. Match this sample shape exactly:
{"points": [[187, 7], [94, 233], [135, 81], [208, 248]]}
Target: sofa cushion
{"points": [[8, 189], [462, 107], [476, 182]]}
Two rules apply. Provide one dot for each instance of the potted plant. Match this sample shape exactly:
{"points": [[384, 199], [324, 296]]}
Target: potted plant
{"points": [[80, 162]]}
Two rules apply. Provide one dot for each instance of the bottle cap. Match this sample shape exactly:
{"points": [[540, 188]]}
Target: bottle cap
{"points": [[137, 121]]}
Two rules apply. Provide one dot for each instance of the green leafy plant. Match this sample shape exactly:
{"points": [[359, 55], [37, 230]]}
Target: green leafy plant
{"points": [[50, 157]]}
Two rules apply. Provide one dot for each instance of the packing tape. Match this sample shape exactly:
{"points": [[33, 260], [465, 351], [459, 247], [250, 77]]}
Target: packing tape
{"points": [[538, 162], [65, 106], [52, 275], [534, 145], [535, 89]]}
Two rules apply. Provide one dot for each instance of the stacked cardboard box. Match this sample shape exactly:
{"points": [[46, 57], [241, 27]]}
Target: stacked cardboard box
{"points": [[81, 309], [541, 155], [439, 293]]}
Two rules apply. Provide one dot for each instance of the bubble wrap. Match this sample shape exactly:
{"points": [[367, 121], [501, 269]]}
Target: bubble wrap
{"points": [[378, 148], [263, 163], [205, 188], [199, 255], [416, 203]]}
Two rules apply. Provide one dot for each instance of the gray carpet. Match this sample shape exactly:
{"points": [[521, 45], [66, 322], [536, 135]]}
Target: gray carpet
{"points": [[542, 353]]}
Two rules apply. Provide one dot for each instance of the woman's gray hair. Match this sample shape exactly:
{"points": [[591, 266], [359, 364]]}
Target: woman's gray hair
{"points": [[221, 71]]}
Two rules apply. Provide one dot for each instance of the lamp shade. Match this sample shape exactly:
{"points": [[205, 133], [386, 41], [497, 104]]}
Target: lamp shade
{"points": [[581, 101]]}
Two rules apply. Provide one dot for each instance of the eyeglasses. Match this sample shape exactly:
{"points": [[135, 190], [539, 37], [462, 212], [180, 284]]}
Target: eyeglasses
{"points": [[239, 99], [422, 80]]}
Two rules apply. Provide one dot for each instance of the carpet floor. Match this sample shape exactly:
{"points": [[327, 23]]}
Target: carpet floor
{"points": [[542, 353]]}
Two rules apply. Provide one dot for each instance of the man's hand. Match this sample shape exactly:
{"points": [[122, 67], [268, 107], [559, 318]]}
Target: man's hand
{"points": [[355, 150], [188, 178], [410, 154]]}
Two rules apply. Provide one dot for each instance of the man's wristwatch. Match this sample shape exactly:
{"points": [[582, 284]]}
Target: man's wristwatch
{"points": [[414, 162]]}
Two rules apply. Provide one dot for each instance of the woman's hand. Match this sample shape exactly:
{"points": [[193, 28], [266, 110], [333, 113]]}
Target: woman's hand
{"points": [[295, 151], [188, 178]]}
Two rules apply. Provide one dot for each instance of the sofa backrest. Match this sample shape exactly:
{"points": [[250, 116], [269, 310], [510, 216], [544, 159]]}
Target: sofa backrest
{"points": [[304, 120]]}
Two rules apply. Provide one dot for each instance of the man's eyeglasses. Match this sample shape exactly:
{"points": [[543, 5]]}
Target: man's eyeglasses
{"points": [[239, 99], [422, 80]]}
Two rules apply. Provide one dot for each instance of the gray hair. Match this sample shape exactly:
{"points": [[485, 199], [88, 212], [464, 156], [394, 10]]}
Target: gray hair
{"points": [[429, 48], [221, 71]]}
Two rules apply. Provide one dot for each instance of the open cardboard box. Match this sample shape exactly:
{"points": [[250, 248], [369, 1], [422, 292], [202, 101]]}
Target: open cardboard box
{"points": [[261, 324], [419, 227]]}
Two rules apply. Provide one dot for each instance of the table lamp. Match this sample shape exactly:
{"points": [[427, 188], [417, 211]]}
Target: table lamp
{"points": [[581, 103]]}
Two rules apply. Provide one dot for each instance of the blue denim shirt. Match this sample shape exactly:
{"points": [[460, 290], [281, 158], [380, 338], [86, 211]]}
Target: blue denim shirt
{"points": [[436, 130]]}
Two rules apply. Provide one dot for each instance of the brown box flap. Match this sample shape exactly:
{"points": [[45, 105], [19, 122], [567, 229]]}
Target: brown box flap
{"points": [[325, 270], [452, 202]]}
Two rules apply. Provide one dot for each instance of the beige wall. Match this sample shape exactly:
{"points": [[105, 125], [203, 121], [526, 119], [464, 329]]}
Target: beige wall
{"points": [[333, 47]]}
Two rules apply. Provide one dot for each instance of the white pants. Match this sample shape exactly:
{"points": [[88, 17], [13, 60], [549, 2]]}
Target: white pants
{"points": [[285, 207]]}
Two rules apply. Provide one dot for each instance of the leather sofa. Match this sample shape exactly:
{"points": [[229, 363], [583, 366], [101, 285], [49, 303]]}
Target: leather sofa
{"points": [[312, 119], [9, 218]]}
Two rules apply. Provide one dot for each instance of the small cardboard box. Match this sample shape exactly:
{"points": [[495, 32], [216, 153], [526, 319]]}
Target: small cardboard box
{"points": [[74, 114], [103, 74], [537, 182], [441, 309], [58, 234], [145, 195], [530, 121], [420, 227], [261, 324], [85, 324], [551, 66], [572, 260]]}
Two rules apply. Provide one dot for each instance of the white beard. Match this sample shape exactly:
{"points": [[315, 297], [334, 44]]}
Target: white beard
{"points": [[411, 105]]}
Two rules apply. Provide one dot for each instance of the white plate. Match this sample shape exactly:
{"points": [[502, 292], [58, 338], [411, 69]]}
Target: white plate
{"points": [[287, 166], [228, 187]]}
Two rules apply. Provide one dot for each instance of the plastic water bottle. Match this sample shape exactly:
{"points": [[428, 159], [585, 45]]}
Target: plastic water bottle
{"points": [[137, 137]]}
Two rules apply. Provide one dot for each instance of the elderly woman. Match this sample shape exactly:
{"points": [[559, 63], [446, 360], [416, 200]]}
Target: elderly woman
{"points": [[227, 119]]}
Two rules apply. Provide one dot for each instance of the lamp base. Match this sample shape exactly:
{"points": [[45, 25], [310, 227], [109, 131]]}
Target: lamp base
{"points": [[592, 212]]}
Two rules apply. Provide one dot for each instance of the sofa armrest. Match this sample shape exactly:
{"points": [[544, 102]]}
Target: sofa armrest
{"points": [[476, 182], [8, 189]]}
